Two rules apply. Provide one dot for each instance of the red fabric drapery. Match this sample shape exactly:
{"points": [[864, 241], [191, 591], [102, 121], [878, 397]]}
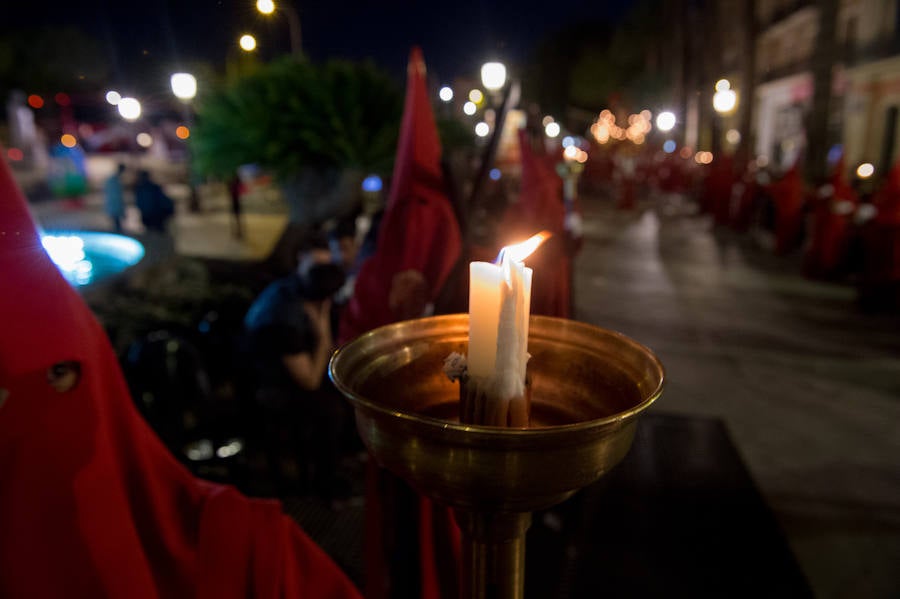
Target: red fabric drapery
{"points": [[91, 502]]}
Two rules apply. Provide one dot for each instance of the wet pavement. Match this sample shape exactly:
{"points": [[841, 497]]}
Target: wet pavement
{"points": [[807, 385]]}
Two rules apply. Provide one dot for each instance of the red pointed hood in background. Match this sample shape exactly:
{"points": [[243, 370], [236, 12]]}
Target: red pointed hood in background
{"points": [[838, 180], [887, 198], [91, 502], [419, 231], [540, 207]]}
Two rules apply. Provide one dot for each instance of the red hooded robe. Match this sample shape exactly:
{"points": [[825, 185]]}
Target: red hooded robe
{"points": [[91, 502], [540, 207], [419, 232], [788, 197], [830, 233], [881, 235]]}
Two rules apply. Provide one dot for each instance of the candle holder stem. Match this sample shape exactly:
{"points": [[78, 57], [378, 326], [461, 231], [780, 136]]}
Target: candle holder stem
{"points": [[493, 554]]}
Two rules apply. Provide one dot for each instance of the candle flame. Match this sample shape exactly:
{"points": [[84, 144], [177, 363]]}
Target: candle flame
{"points": [[520, 251]]}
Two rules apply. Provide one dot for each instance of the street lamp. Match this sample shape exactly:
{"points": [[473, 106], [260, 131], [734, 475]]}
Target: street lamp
{"points": [[129, 108], [247, 42], [493, 75], [665, 121], [268, 7], [725, 98], [184, 86]]}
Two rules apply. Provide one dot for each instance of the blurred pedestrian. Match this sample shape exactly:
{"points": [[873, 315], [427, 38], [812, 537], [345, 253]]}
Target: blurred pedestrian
{"points": [[155, 206], [290, 340], [114, 198]]}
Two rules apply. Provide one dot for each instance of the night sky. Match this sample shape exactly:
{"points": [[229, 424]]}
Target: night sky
{"points": [[456, 37]]}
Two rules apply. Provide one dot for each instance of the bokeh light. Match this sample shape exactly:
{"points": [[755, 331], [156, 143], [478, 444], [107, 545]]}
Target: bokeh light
{"points": [[113, 97], [372, 183], [182, 132], [733, 136], [247, 43], [68, 140], [723, 85], [129, 108], [184, 85], [546, 120], [469, 108], [724, 100], [665, 121], [493, 75], [482, 129], [495, 174], [144, 139], [552, 129], [669, 146], [35, 101], [14, 154], [476, 96], [567, 141], [266, 7], [62, 99], [446, 93], [865, 170]]}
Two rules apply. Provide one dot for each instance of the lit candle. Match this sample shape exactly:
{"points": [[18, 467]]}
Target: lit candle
{"points": [[499, 308]]}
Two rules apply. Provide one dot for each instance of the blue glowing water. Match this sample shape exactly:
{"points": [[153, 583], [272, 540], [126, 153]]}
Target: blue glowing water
{"points": [[85, 257]]}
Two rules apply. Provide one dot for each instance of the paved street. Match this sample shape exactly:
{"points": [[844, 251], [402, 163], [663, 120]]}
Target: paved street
{"points": [[808, 386]]}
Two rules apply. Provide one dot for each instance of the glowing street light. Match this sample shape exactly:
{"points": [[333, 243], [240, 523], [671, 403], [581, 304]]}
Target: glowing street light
{"points": [[247, 43], [725, 98], [184, 86], [493, 75], [267, 7], [665, 121], [129, 108], [446, 94], [113, 97]]}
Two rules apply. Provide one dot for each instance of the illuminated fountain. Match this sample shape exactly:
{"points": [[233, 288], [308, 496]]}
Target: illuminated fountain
{"points": [[85, 257]]}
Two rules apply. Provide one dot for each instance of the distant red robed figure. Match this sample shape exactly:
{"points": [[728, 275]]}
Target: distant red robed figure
{"points": [[830, 231], [881, 235], [411, 546], [540, 207], [788, 196], [91, 502]]}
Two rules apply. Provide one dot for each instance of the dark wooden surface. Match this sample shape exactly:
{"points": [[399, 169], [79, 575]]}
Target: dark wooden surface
{"points": [[679, 517]]}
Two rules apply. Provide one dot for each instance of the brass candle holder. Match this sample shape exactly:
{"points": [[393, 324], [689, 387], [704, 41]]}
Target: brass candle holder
{"points": [[588, 387]]}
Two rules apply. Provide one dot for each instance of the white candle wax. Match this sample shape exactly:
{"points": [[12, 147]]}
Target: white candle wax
{"points": [[499, 308]]}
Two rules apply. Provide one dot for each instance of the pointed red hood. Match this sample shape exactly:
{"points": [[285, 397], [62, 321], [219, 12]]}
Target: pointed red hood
{"points": [[887, 198], [838, 180], [419, 231], [540, 197], [91, 503]]}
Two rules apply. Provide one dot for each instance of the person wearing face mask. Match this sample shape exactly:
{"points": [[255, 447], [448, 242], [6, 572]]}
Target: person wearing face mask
{"points": [[290, 340]]}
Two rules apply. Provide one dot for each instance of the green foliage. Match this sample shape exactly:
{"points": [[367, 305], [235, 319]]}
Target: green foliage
{"points": [[290, 114]]}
